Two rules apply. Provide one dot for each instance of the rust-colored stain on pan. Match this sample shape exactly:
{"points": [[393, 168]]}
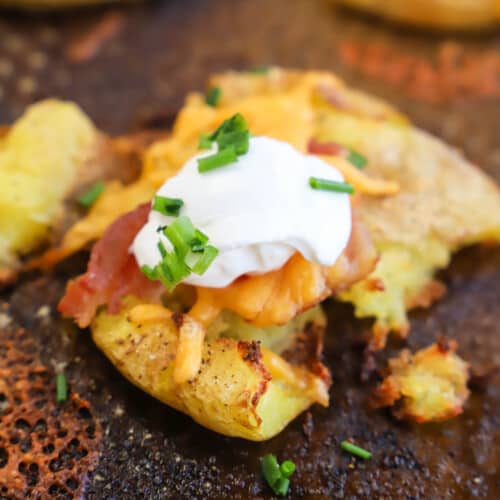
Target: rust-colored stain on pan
{"points": [[45, 449]]}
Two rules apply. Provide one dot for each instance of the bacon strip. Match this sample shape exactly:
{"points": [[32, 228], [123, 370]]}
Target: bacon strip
{"points": [[326, 148], [269, 299], [112, 272]]}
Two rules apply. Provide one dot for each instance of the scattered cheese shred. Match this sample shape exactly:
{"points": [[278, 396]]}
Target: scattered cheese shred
{"points": [[362, 183]]}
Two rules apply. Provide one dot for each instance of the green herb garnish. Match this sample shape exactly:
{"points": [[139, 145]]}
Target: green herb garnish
{"points": [[191, 253], [207, 257], [217, 160], [328, 185], [239, 139], [355, 450], [278, 477], [204, 142], [213, 96], [89, 197], [236, 123], [357, 159], [61, 388], [233, 140], [167, 206]]}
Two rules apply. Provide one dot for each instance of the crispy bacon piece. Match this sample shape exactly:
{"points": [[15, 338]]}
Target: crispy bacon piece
{"points": [[270, 299], [112, 272], [325, 148]]}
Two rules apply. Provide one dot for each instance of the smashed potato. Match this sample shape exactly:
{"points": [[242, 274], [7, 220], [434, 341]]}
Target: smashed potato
{"points": [[444, 203], [39, 166], [419, 200], [238, 390], [425, 215], [430, 385], [444, 14]]}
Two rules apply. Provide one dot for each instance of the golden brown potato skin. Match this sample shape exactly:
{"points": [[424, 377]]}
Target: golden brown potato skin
{"points": [[233, 393], [442, 14]]}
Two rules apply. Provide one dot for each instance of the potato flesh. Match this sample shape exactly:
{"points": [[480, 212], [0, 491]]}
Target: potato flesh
{"points": [[276, 338], [444, 203], [230, 395], [432, 384], [39, 160]]}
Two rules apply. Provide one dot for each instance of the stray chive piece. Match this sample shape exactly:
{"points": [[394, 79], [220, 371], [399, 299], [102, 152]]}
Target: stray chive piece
{"points": [[217, 160], [213, 96], [277, 476], [328, 185], [357, 159], [61, 388], [287, 468], [88, 198], [205, 142], [355, 450], [167, 206]]}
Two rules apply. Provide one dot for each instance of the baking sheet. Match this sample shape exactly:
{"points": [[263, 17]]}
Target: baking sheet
{"points": [[139, 75]]}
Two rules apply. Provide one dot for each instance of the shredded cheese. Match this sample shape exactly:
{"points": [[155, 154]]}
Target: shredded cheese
{"points": [[189, 350], [361, 182], [190, 343], [148, 313]]}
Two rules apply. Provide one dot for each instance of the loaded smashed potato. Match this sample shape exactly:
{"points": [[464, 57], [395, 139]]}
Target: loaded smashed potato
{"points": [[245, 359]]}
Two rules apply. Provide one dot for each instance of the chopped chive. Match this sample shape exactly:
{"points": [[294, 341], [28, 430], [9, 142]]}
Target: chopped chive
{"points": [[355, 450], [160, 229], [259, 70], [328, 185], [287, 468], [165, 276], [232, 124], [162, 249], [204, 141], [167, 206], [239, 139], [181, 233], [277, 476], [271, 469], [281, 486], [61, 388], [190, 254], [207, 257], [213, 96], [197, 246], [357, 159], [199, 242], [175, 268], [89, 197], [200, 236], [149, 271], [217, 160]]}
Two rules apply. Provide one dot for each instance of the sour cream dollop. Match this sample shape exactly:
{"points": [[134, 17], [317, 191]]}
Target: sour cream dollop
{"points": [[258, 211]]}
